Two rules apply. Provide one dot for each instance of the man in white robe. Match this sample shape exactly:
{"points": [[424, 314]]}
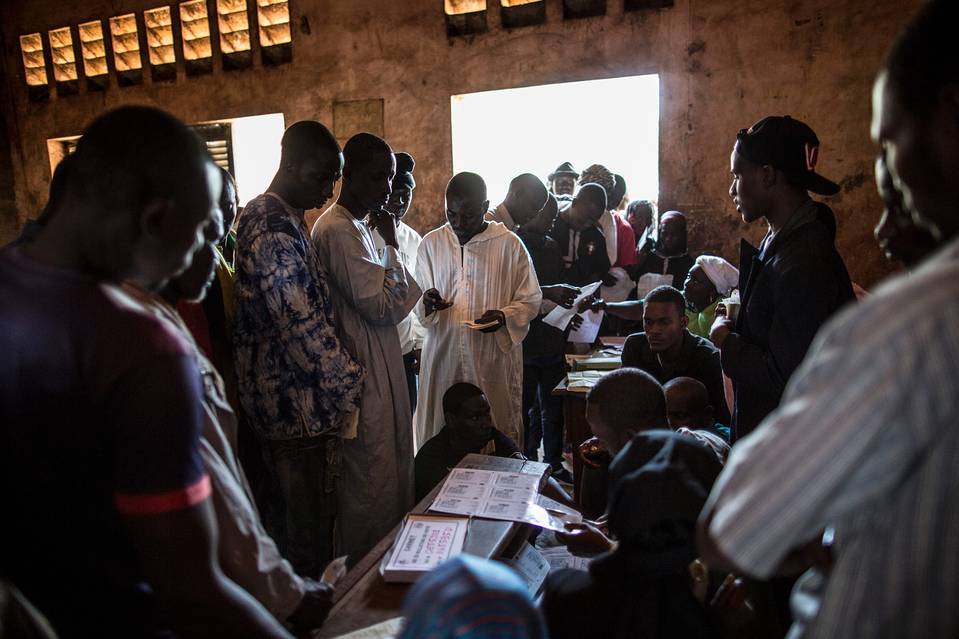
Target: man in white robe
{"points": [[473, 271], [371, 295]]}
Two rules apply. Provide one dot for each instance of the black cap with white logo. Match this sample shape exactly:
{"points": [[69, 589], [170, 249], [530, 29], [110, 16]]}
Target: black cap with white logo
{"points": [[788, 145]]}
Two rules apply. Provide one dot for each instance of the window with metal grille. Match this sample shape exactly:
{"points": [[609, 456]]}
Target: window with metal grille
{"points": [[465, 17], [64, 60], [195, 28], [273, 18], [126, 49], [233, 21], [522, 13], [34, 66], [159, 29], [93, 50]]}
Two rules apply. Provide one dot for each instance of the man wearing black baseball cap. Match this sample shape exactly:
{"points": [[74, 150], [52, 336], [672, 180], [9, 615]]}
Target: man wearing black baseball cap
{"points": [[795, 281], [562, 181]]}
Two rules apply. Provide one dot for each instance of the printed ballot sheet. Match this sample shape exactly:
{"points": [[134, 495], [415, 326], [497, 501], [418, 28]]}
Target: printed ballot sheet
{"points": [[531, 566], [560, 557], [423, 543], [496, 495], [589, 329], [559, 317]]}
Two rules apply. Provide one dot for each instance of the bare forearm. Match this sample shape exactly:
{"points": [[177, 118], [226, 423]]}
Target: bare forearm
{"points": [[228, 611], [632, 310]]}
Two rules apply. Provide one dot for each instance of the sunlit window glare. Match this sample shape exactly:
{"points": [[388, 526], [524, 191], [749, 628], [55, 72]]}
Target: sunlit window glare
{"points": [[615, 122], [256, 153]]}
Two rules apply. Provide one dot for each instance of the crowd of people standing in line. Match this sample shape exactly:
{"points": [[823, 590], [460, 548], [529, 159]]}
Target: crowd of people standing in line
{"points": [[139, 358]]}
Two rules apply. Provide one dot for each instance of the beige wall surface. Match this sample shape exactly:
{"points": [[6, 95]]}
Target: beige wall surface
{"points": [[723, 64]]}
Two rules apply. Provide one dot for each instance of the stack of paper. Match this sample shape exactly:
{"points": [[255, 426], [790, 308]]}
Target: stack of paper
{"points": [[496, 495], [560, 557], [424, 542], [531, 566], [598, 362], [582, 381]]}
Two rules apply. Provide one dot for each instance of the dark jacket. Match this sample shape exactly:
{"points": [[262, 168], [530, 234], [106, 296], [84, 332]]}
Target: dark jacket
{"points": [[589, 262], [659, 484], [544, 340], [699, 359], [439, 455], [788, 290]]}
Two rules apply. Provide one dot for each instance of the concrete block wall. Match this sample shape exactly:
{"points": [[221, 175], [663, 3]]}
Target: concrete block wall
{"points": [[723, 64]]}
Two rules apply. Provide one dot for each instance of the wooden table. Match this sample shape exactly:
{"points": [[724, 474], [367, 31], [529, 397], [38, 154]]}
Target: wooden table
{"points": [[363, 599], [576, 428]]}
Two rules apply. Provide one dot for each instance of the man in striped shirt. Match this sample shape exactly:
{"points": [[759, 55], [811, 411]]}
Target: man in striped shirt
{"points": [[866, 440]]}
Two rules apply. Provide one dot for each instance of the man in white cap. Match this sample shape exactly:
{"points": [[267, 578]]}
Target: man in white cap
{"points": [[709, 280]]}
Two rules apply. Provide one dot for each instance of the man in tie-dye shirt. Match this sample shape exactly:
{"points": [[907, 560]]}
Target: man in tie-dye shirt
{"points": [[299, 388]]}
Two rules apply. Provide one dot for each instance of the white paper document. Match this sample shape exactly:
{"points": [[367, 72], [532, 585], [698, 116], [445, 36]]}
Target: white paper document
{"points": [[559, 557], [479, 327], [589, 329], [423, 543], [531, 566], [496, 495], [388, 629], [559, 317]]}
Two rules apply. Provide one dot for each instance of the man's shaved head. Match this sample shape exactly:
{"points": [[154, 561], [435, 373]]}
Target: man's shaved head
{"points": [[687, 403], [144, 183], [527, 196], [624, 402], [466, 186], [363, 147], [466, 205], [458, 393], [306, 139], [594, 194], [368, 170], [132, 154], [587, 207], [310, 165]]}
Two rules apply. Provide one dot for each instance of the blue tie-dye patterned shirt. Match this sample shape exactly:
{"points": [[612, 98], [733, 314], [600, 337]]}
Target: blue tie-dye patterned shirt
{"points": [[295, 377]]}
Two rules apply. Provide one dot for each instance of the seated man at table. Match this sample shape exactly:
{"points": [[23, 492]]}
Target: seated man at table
{"points": [[469, 429], [666, 349], [642, 586], [620, 405], [689, 413]]}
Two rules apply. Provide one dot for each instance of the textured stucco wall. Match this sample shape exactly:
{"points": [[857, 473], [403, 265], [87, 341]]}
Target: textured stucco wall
{"points": [[723, 65]]}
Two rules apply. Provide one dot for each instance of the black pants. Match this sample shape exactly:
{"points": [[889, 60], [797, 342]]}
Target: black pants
{"points": [[410, 380], [302, 521], [543, 412]]}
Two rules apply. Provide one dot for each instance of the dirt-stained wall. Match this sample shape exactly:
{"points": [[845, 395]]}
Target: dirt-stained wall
{"points": [[723, 65]]}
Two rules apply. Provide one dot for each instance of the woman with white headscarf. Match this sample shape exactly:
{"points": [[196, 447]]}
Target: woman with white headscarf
{"points": [[709, 280]]}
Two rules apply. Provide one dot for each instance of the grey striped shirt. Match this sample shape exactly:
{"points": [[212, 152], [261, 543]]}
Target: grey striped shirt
{"points": [[865, 440]]}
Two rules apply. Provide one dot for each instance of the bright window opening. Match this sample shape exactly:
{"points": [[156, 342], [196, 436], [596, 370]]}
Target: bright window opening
{"points": [[615, 122], [126, 43], [159, 26], [256, 153], [31, 49], [252, 143]]}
